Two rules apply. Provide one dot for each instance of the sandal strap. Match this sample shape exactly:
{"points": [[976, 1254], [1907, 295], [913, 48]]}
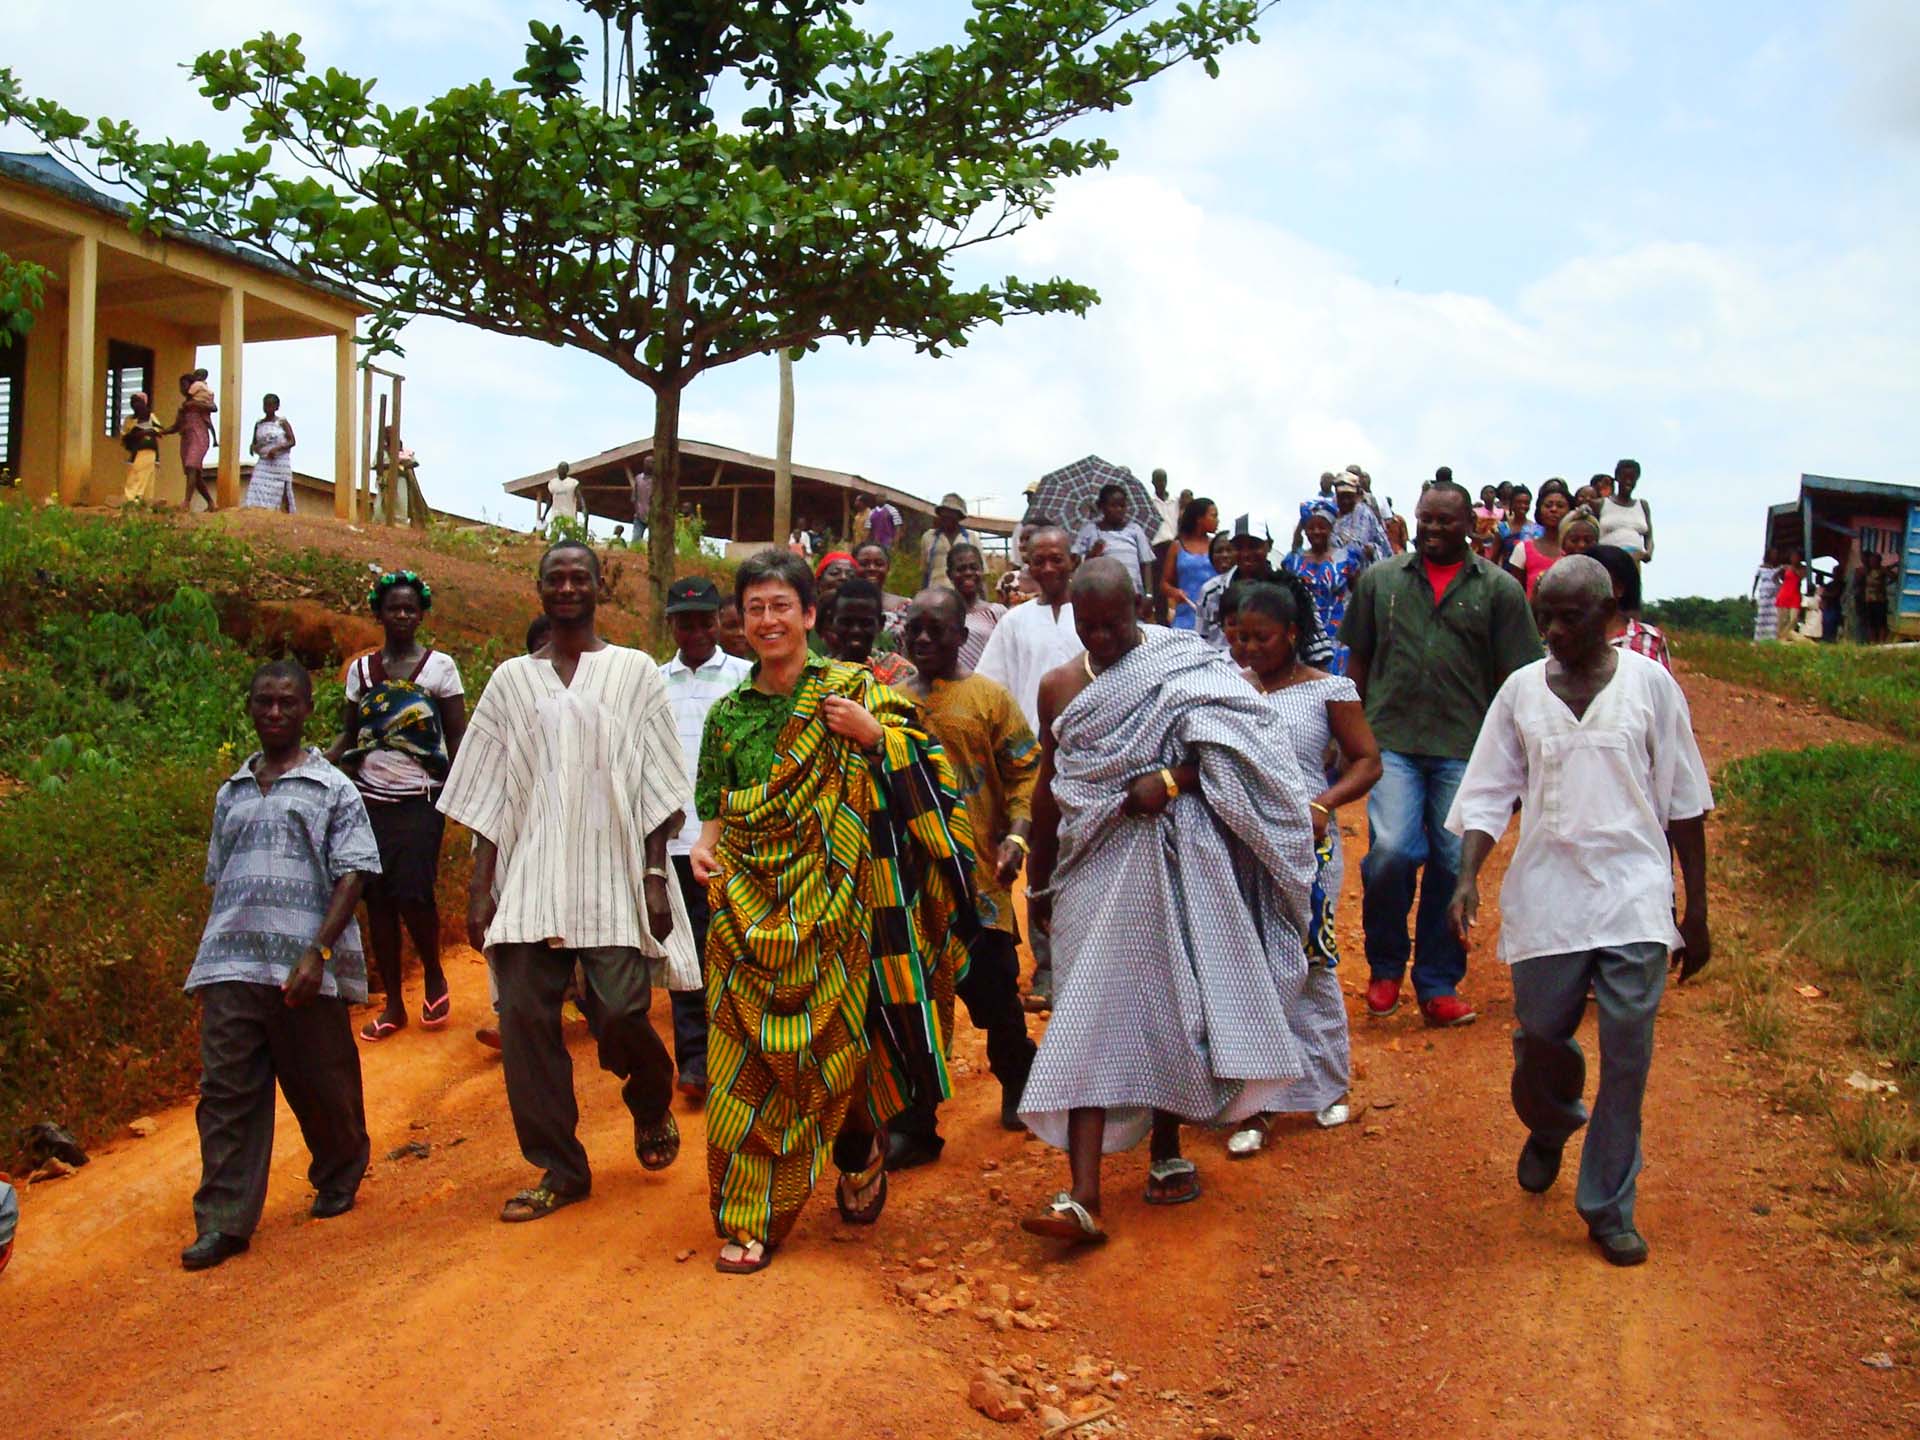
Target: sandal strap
{"points": [[1065, 1204], [1174, 1169]]}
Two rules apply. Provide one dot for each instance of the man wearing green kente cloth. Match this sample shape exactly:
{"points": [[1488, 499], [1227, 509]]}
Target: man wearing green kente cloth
{"points": [[839, 861]]}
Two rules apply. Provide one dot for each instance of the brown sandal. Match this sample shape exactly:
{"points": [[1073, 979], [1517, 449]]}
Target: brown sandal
{"points": [[657, 1146], [537, 1203]]}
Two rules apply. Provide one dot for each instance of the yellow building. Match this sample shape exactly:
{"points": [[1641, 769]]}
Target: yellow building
{"points": [[127, 312]]}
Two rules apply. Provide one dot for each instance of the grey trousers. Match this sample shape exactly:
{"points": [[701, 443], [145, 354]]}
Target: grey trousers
{"points": [[1549, 1070], [248, 1040], [533, 1054]]}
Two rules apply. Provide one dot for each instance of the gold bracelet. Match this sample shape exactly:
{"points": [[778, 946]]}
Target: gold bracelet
{"points": [[1316, 805], [1173, 785], [1021, 841]]}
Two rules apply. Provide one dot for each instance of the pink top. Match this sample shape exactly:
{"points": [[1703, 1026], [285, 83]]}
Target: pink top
{"points": [[1536, 563]]}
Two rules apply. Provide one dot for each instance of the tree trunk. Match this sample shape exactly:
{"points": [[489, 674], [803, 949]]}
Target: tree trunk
{"points": [[663, 516], [783, 455]]}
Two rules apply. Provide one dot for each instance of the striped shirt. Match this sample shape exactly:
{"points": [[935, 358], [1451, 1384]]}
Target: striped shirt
{"points": [[692, 693], [273, 861], [567, 781]]}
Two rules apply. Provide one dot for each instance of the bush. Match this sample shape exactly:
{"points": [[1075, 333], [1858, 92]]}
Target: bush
{"points": [[1731, 619], [1836, 836], [53, 561], [101, 909], [1879, 686]]}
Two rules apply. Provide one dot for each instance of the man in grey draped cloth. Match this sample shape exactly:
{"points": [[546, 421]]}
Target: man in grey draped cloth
{"points": [[1173, 860]]}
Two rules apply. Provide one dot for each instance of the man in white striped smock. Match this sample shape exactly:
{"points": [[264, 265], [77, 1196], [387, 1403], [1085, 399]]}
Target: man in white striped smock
{"points": [[572, 783]]}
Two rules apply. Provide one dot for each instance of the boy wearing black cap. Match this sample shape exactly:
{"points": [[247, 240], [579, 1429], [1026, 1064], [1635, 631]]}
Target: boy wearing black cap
{"points": [[699, 674]]}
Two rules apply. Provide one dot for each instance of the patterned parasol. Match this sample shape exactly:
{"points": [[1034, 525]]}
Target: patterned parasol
{"points": [[1067, 495]]}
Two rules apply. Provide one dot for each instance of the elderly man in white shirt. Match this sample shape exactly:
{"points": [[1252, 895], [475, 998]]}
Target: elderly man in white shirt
{"points": [[1597, 746], [1030, 640], [699, 673]]}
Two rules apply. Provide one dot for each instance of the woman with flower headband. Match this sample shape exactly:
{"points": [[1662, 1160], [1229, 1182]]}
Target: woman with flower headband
{"points": [[405, 713]]}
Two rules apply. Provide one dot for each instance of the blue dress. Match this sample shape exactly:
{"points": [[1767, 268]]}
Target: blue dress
{"points": [[1190, 573]]}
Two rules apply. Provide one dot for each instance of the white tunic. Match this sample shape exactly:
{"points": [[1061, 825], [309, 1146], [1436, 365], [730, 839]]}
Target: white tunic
{"points": [[567, 782], [565, 497], [1592, 868], [1029, 641]]}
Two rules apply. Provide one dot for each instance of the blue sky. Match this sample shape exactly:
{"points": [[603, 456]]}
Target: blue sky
{"points": [[1522, 239]]}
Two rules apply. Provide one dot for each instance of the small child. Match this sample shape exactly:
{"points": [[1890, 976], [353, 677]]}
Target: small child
{"points": [[141, 437], [278, 966]]}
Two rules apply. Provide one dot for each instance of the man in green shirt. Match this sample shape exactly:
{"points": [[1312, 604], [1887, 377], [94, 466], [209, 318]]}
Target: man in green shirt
{"points": [[1434, 633]]}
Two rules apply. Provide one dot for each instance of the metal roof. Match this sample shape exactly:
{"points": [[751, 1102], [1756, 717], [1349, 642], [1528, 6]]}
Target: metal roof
{"points": [[1874, 489], [44, 172]]}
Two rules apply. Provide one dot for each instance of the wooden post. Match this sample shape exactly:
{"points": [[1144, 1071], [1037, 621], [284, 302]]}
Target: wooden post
{"points": [[345, 478], [393, 454], [80, 401], [233, 394], [363, 476], [783, 455], [378, 462]]}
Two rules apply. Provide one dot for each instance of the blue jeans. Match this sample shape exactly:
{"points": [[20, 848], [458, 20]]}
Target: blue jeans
{"points": [[1406, 829]]}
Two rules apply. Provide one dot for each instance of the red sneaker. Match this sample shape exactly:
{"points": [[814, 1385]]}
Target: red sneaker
{"points": [[1383, 998], [1446, 1011]]}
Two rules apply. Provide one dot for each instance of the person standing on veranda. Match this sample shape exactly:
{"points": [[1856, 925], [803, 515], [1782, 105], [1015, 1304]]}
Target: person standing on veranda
{"points": [[1431, 636], [1595, 747], [571, 780], [270, 487], [1033, 639], [699, 673], [193, 423]]}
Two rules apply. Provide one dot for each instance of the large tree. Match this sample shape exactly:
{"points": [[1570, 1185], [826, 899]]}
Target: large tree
{"points": [[601, 203]]}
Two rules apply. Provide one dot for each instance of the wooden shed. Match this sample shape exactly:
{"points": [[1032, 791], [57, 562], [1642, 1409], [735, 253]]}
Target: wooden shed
{"points": [[732, 493], [1839, 519]]}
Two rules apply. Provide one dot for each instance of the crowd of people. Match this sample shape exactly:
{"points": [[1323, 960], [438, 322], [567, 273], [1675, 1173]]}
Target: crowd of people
{"points": [[269, 487], [813, 826], [1792, 600]]}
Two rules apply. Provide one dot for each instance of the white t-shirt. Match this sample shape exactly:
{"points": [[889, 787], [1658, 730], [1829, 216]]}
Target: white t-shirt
{"points": [[566, 498], [1624, 525], [1592, 867], [1129, 545], [387, 774], [1029, 641]]}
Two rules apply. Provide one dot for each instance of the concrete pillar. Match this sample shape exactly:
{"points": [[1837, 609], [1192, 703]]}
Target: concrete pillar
{"points": [[81, 415], [233, 396], [346, 493]]}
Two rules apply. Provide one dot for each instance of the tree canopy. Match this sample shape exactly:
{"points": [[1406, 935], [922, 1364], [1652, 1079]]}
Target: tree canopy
{"points": [[609, 207]]}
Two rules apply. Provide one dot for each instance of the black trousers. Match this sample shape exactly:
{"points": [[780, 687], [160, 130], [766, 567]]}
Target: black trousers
{"points": [[249, 1039], [991, 993], [690, 1006], [533, 1053]]}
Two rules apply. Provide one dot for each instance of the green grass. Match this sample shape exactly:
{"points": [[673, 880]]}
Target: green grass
{"points": [[1875, 685], [1836, 839]]}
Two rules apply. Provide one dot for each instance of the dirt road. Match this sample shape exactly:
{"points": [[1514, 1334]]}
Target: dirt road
{"points": [[1382, 1279]]}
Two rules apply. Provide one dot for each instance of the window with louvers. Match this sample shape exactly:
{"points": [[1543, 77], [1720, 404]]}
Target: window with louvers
{"points": [[13, 370], [129, 370]]}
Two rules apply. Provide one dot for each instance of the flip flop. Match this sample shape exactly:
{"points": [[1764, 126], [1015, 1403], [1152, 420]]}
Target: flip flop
{"points": [[757, 1255], [379, 1029], [537, 1203], [657, 1146], [1165, 1182], [870, 1212], [435, 1013], [1248, 1140], [1066, 1219]]}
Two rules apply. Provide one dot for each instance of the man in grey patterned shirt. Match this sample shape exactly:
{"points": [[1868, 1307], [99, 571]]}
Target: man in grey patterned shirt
{"points": [[278, 965]]}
